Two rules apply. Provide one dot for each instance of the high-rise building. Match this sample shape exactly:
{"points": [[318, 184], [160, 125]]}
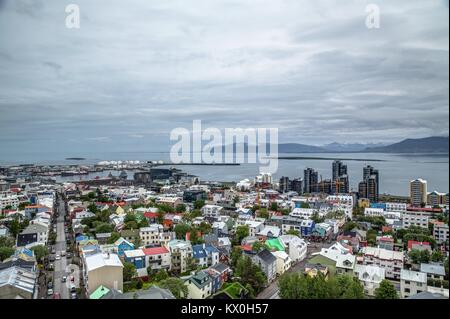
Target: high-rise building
{"points": [[369, 187], [310, 181], [285, 185], [325, 186], [297, 185], [418, 192], [340, 183], [339, 169]]}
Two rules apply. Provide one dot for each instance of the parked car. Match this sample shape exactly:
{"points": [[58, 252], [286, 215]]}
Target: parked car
{"points": [[49, 292], [57, 257], [50, 285], [73, 295], [64, 279], [63, 253]]}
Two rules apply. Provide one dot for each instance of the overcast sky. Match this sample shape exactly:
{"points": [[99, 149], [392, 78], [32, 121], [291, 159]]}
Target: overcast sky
{"points": [[137, 69]]}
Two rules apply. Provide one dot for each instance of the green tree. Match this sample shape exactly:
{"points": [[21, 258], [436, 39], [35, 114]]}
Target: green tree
{"points": [[129, 271], [40, 252], [103, 228], [350, 225], [131, 225], [14, 227], [129, 217], [103, 216], [263, 213], [386, 290], [371, 236], [161, 275], [257, 246], [198, 204], [204, 228], [181, 208], [114, 237], [250, 273], [241, 232], [348, 287], [437, 256], [425, 256], [236, 253], [176, 287], [160, 216], [6, 252], [274, 206], [93, 208], [181, 230], [23, 205], [292, 286]]}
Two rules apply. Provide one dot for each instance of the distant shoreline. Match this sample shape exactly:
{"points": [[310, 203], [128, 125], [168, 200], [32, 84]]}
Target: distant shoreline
{"points": [[327, 158]]}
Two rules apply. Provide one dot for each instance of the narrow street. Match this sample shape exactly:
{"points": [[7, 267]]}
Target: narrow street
{"points": [[272, 291], [60, 265]]}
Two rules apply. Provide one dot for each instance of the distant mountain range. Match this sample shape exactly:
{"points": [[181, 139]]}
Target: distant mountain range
{"points": [[434, 144]]}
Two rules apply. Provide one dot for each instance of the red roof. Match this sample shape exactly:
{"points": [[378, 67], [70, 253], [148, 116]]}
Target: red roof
{"points": [[155, 251], [421, 243], [247, 247], [424, 209], [150, 215]]}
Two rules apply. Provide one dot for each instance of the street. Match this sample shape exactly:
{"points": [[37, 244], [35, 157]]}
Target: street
{"points": [[272, 291], [60, 265]]}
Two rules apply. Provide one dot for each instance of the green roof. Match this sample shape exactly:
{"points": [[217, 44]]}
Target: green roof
{"points": [[233, 290], [99, 293], [275, 244]]}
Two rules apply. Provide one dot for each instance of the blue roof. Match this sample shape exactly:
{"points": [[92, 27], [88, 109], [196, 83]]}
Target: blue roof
{"points": [[81, 237], [211, 249], [198, 251], [25, 251]]}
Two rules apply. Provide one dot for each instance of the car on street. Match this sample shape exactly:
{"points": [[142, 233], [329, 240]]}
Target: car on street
{"points": [[57, 257], [50, 285], [51, 258], [63, 253], [56, 295], [73, 295], [63, 278], [49, 292]]}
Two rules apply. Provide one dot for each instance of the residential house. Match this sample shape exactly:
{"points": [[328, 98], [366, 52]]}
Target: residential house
{"points": [[345, 264], [433, 270], [34, 234], [295, 247], [440, 232], [267, 262], [122, 245], [150, 235], [391, 261], [157, 258], [136, 257], [17, 283], [180, 252], [370, 277], [102, 270], [212, 211], [283, 263], [412, 282], [199, 285], [205, 255], [312, 270]]}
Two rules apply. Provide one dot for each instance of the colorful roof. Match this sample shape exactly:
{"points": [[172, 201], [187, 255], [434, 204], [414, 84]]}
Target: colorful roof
{"points": [[99, 293], [155, 251], [275, 244]]}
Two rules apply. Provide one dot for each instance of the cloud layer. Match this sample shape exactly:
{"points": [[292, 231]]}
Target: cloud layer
{"points": [[137, 69]]}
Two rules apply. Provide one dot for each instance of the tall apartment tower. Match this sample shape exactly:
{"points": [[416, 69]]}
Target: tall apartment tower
{"points": [[418, 192], [310, 181], [369, 187], [285, 185], [340, 182], [297, 185]]}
